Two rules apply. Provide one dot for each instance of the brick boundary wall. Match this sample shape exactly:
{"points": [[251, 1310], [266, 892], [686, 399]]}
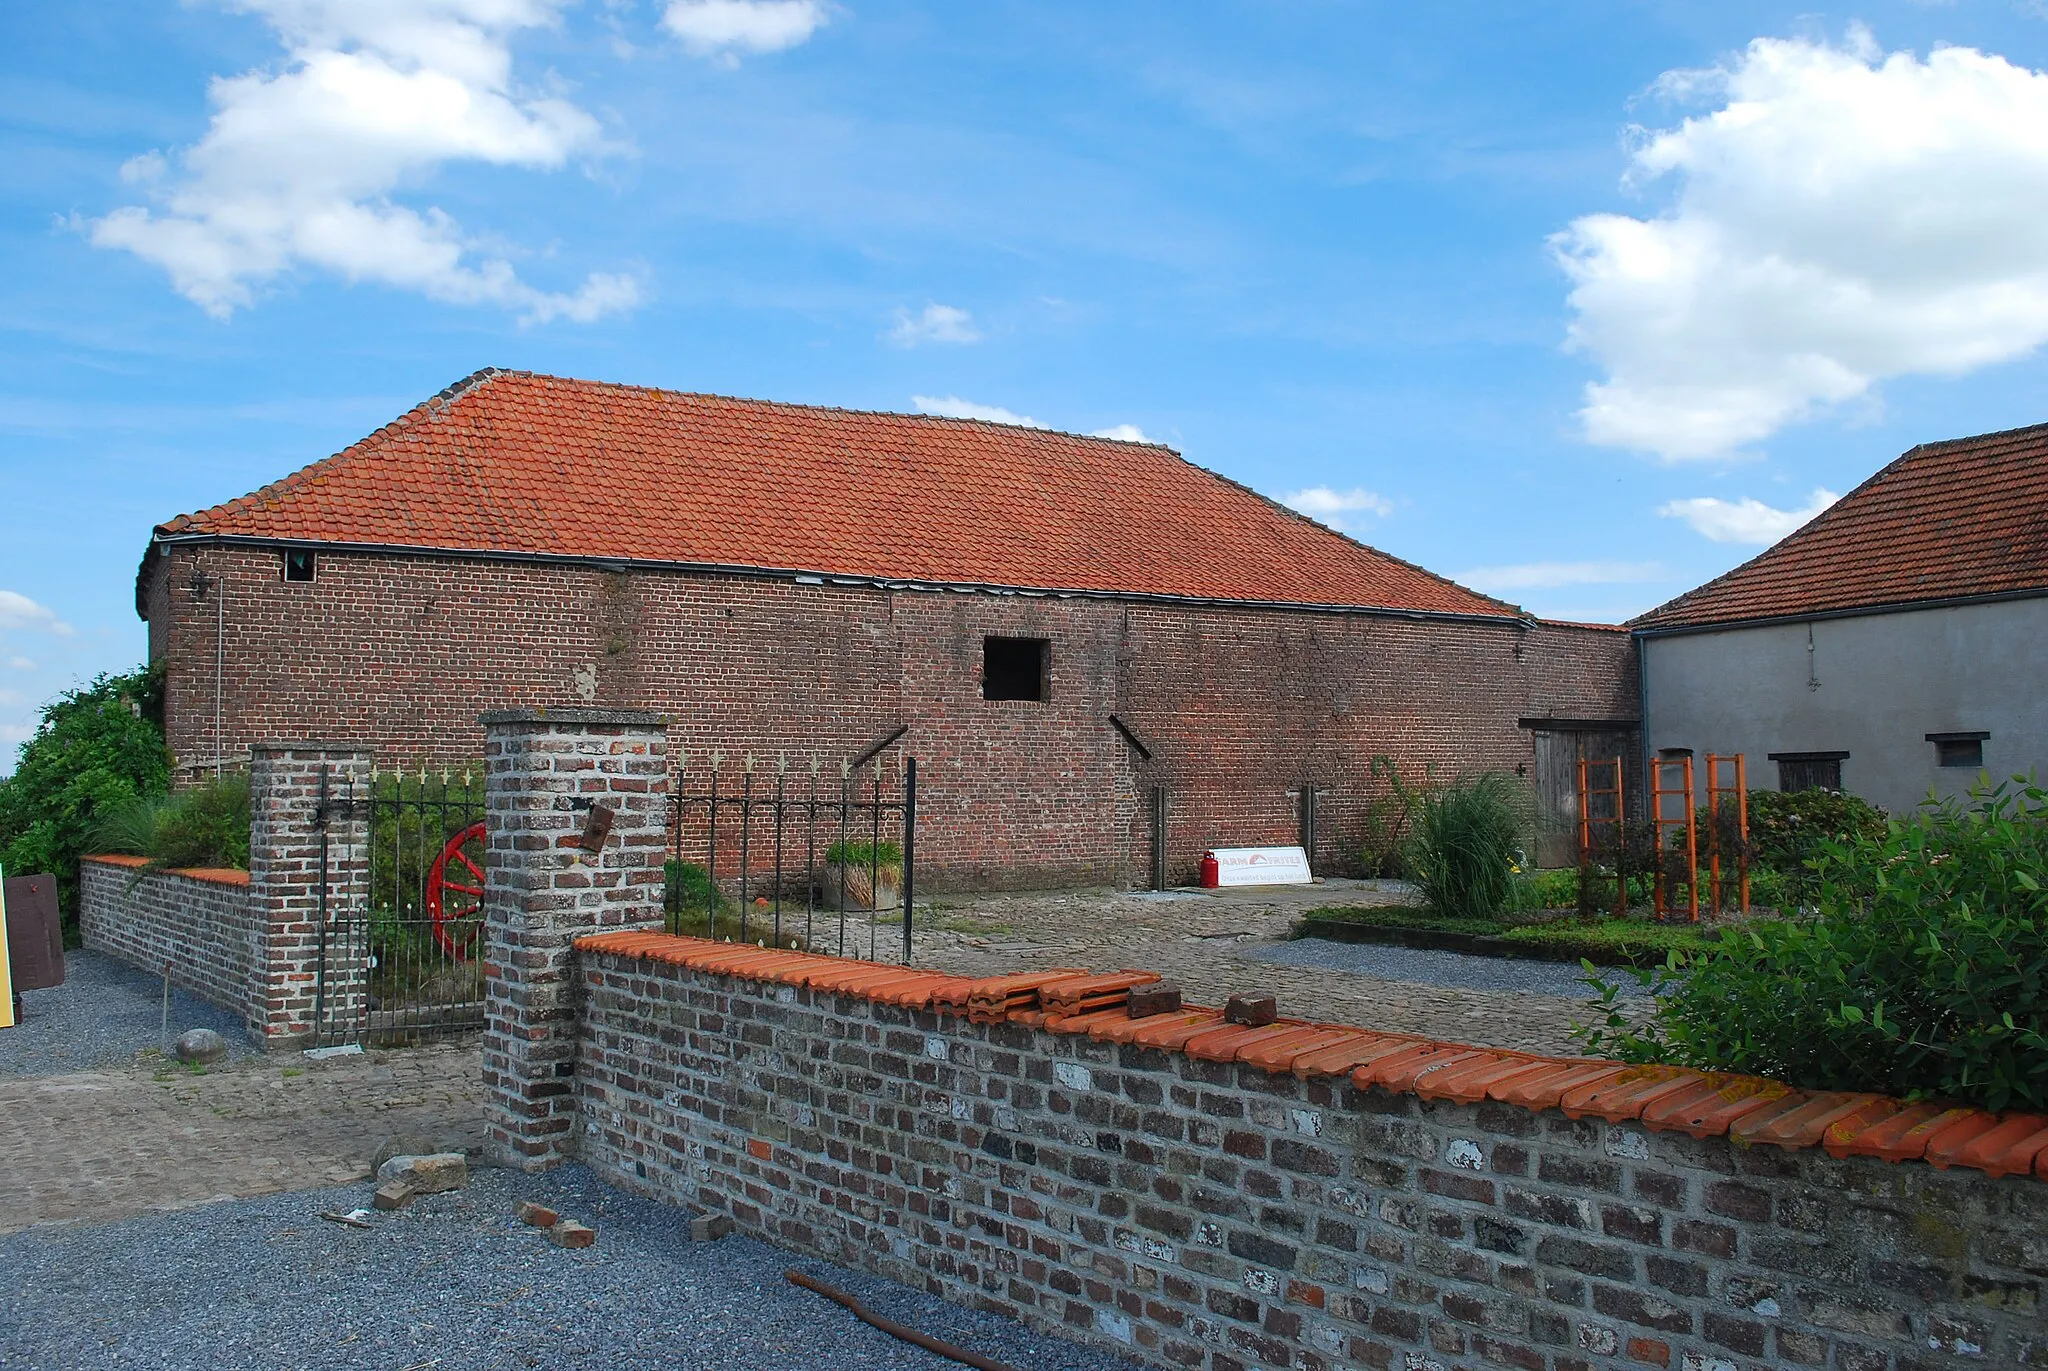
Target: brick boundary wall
{"points": [[201, 922], [544, 771], [1197, 1195]]}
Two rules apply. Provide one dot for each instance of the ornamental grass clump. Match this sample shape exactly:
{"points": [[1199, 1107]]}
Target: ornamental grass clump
{"points": [[1923, 972], [203, 826], [1464, 847]]}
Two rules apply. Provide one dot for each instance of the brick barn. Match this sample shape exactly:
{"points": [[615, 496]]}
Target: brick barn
{"points": [[1062, 623]]}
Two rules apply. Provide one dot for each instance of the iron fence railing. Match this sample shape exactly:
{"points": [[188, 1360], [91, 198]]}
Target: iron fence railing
{"points": [[760, 847]]}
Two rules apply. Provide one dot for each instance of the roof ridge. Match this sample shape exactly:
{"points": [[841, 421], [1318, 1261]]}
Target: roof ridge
{"points": [[918, 416]]}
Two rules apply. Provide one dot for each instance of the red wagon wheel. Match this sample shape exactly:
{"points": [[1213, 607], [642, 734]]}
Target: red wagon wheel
{"points": [[455, 893]]}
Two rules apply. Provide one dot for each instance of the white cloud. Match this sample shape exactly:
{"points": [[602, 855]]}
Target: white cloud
{"points": [[1551, 575], [1745, 520], [1843, 216], [1122, 433], [937, 324], [20, 664], [725, 28], [18, 611], [1337, 508], [300, 162], [953, 407]]}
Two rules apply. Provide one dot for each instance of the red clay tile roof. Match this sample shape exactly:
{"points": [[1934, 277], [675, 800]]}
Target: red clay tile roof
{"points": [[512, 462], [1947, 520]]}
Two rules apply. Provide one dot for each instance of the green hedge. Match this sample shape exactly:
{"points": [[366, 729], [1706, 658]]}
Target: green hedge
{"points": [[94, 749], [1925, 972]]}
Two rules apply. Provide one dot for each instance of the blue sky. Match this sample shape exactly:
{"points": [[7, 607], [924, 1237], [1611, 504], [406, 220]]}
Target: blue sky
{"points": [[1461, 278]]}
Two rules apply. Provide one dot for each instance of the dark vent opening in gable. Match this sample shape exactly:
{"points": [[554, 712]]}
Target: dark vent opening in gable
{"points": [[1016, 669], [1959, 749], [298, 564]]}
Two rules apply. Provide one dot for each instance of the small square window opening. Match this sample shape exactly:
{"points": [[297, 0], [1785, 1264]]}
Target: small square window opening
{"points": [[1016, 669], [1809, 770], [1964, 750], [298, 564]]}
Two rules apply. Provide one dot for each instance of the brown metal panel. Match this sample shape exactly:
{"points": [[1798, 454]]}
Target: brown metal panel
{"points": [[35, 933]]}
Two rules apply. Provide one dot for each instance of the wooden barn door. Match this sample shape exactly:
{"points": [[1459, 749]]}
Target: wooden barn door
{"points": [[1558, 751]]}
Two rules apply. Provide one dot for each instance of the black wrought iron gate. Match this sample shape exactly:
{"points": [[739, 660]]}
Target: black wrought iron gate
{"points": [[400, 931]]}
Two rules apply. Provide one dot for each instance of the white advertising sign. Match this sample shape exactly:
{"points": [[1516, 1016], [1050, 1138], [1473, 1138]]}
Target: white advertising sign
{"points": [[1261, 866]]}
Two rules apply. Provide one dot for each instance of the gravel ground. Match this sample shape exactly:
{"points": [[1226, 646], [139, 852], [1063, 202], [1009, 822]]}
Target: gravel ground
{"points": [[1431, 967], [452, 1283], [105, 1014]]}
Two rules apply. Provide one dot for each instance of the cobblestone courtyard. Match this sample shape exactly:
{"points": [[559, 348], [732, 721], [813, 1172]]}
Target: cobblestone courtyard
{"points": [[96, 1146]]}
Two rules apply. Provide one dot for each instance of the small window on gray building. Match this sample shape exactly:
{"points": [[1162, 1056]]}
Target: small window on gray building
{"points": [[1016, 669], [1959, 749], [298, 564], [1809, 770]]}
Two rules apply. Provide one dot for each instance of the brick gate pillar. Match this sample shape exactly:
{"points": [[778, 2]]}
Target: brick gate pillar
{"points": [[285, 829], [576, 802]]}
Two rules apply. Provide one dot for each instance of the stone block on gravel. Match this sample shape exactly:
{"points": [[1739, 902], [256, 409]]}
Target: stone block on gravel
{"points": [[538, 1215], [200, 1046], [569, 1233], [428, 1175], [393, 1195], [709, 1227]]}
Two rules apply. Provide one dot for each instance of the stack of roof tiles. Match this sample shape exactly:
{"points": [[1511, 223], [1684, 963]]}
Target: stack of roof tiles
{"points": [[1701, 1104]]}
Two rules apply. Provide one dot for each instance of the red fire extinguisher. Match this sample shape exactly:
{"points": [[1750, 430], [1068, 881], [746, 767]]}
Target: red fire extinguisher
{"points": [[1211, 878]]}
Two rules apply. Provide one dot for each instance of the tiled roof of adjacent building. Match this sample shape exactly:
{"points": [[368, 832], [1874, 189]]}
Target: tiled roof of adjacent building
{"points": [[513, 463], [1947, 521]]}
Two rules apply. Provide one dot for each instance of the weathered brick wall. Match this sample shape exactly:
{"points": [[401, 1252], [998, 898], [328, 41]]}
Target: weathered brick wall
{"points": [[1213, 1215], [304, 840], [1241, 707], [202, 923], [545, 777]]}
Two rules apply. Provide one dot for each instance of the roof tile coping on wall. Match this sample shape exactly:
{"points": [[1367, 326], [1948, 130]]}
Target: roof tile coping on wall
{"points": [[218, 875], [1745, 1109]]}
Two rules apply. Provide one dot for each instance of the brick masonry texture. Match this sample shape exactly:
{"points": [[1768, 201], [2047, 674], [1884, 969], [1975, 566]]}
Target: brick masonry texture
{"points": [[1213, 1214], [541, 778], [1241, 707], [292, 843], [202, 924]]}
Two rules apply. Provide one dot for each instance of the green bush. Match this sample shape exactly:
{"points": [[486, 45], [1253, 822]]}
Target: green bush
{"points": [[204, 826], [94, 749], [1925, 972], [1465, 844], [1789, 830]]}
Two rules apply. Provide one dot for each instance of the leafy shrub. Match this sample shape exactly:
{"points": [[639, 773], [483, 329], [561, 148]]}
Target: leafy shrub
{"points": [[697, 908], [1536, 890], [1926, 972], [205, 826], [94, 749], [1465, 844], [1383, 853], [1789, 829]]}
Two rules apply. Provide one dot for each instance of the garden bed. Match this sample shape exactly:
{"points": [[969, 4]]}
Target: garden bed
{"points": [[1605, 942]]}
